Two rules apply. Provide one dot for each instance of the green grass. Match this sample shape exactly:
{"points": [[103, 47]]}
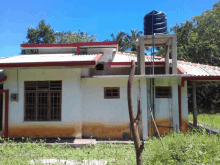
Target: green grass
{"points": [[212, 120], [190, 148]]}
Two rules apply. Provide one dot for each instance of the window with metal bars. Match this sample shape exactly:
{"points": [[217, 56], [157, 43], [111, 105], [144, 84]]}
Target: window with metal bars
{"points": [[111, 92], [43, 100], [163, 92]]}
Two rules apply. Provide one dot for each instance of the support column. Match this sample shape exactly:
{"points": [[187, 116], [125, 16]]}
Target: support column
{"points": [[175, 108], [138, 61], [195, 112], [184, 108], [167, 68], [143, 93], [142, 57], [174, 55]]}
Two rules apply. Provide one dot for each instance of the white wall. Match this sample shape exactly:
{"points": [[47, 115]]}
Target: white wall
{"points": [[57, 50], [71, 98], [107, 53], [166, 109], [106, 117]]}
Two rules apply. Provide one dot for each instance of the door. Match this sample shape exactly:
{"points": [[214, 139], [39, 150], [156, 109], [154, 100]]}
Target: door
{"points": [[162, 114]]}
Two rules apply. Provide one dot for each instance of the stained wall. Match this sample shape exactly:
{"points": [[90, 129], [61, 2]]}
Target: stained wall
{"points": [[70, 124], [106, 118]]}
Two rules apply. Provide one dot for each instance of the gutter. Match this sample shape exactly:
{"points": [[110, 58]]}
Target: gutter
{"points": [[139, 76], [199, 78]]}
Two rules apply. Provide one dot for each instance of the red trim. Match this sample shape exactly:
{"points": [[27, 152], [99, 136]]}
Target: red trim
{"points": [[180, 108], [129, 63], [3, 79], [96, 58], [78, 52], [70, 45], [180, 69], [200, 78], [6, 112]]}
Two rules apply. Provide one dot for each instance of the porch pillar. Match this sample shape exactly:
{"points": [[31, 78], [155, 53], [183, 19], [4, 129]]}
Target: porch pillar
{"points": [[174, 55], [138, 61], [195, 112], [141, 57], [143, 93], [167, 68], [175, 107]]}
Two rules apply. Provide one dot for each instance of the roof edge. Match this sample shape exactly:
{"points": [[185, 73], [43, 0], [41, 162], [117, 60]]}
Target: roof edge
{"points": [[70, 45]]}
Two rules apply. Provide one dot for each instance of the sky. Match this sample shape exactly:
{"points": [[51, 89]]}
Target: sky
{"points": [[95, 17]]}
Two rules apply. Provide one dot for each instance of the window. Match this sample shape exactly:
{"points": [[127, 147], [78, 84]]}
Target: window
{"points": [[163, 92], [43, 100], [111, 92]]}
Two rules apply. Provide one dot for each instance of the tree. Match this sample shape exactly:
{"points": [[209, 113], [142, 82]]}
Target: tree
{"points": [[132, 39], [42, 34], [122, 42], [198, 42], [134, 121], [72, 37], [198, 38]]}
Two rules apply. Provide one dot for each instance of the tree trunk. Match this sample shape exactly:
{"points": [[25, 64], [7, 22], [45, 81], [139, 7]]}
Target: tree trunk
{"points": [[135, 121]]}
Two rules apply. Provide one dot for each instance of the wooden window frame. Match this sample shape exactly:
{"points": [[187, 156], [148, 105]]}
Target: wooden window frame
{"points": [[112, 88], [157, 95], [36, 90]]}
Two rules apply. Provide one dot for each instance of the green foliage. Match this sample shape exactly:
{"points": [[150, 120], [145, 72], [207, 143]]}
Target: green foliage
{"points": [[198, 39], [127, 41], [121, 38], [44, 34], [212, 120], [72, 37], [190, 148]]}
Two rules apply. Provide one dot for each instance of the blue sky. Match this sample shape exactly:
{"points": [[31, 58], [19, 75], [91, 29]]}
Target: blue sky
{"points": [[96, 17]]}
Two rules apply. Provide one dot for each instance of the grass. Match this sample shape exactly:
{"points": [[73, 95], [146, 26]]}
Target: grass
{"points": [[190, 148], [212, 120]]}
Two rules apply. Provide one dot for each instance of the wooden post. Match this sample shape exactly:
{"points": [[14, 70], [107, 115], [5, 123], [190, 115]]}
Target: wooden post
{"points": [[135, 121], [167, 67], [195, 112]]}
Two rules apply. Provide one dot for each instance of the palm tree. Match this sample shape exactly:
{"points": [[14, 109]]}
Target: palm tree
{"points": [[132, 39], [122, 42]]}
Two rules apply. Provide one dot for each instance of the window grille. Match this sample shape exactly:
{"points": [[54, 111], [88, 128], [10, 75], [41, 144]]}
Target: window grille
{"points": [[111, 92], [163, 92], [43, 100]]}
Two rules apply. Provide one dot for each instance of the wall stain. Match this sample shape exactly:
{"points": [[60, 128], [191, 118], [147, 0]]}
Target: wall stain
{"points": [[185, 125], [105, 130], [166, 123], [43, 131], [162, 130]]}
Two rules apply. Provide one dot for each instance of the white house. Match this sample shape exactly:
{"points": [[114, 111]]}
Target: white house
{"points": [[80, 90]]}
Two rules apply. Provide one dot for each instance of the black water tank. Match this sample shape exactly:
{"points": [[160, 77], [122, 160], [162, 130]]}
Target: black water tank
{"points": [[159, 21]]}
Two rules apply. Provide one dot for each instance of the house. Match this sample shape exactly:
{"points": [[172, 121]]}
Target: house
{"points": [[80, 90]]}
